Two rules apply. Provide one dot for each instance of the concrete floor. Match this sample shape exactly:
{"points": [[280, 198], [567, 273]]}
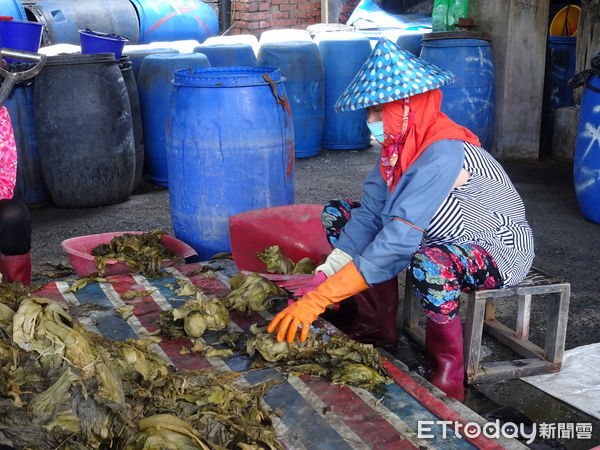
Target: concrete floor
{"points": [[566, 245]]}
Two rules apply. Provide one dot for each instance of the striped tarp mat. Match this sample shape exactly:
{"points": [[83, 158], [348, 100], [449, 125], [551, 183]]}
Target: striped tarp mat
{"points": [[308, 412]]}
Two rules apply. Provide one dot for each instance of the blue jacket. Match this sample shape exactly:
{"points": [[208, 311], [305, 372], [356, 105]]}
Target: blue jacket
{"points": [[386, 230]]}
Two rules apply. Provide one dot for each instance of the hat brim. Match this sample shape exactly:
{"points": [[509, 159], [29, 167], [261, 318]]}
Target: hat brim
{"points": [[391, 74]]}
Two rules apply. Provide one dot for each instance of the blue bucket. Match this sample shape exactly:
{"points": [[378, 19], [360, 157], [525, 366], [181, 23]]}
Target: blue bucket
{"points": [[96, 42], [20, 35]]}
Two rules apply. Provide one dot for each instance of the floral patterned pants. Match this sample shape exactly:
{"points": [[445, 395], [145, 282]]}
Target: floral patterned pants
{"points": [[439, 272]]}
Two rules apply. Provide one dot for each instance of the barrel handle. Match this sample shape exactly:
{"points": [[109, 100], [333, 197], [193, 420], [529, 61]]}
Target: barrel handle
{"points": [[282, 101], [7, 87], [12, 78], [592, 88]]}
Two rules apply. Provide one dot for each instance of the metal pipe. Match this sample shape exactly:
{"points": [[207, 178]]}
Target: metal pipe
{"points": [[225, 13], [20, 54]]}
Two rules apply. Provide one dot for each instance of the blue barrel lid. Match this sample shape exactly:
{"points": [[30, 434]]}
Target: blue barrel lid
{"points": [[235, 45], [288, 45], [227, 76], [148, 51], [337, 36]]}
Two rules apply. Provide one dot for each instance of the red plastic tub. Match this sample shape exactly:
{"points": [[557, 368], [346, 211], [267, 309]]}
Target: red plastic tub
{"points": [[297, 229], [79, 251]]}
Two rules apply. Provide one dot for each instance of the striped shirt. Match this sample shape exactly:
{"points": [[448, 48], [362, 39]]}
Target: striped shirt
{"points": [[487, 211], [425, 209]]}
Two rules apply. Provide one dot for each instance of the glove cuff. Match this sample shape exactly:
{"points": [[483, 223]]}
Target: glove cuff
{"points": [[343, 284], [334, 262]]}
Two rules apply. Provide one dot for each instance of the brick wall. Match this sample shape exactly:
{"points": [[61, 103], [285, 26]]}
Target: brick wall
{"points": [[256, 16], [347, 6]]}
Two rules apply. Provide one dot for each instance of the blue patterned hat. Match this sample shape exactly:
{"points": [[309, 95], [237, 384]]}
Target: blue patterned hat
{"points": [[391, 74]]}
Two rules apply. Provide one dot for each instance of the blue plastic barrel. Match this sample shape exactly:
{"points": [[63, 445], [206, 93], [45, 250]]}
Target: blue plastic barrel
{"points": [[12, 8], [284, 35], [224, 156], [300, 64], [175, 20], [408, 37], [586, 167], [155, 88], [372, 34], [249, 39], [563, 56], [30, 180], [137, 56], [228, 55], [470, 100], [64, 18], [411, 40], [343, 55], [561, 61]]}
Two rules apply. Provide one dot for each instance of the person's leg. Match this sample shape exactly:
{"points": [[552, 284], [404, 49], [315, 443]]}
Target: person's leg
{"points": [[371, 315], [439, 274], [15, 241]]}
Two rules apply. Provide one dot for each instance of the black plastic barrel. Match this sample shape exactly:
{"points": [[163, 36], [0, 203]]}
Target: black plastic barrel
{"points": [[84, 128], [136, 117]]}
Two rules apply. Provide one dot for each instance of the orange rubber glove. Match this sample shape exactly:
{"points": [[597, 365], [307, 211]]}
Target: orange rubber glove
{"points": [[341, 285]]}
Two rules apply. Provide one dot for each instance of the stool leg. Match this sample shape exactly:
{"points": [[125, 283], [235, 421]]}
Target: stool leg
{"points": [[473, 332], [412, 313], [490, 310], [558, 315], [523, 314]]}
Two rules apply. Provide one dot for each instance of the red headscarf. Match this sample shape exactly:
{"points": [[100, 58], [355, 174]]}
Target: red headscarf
{"points": [[410, 126]]}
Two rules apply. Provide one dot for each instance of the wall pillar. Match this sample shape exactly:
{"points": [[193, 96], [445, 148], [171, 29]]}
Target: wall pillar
{"points": [[519, 34], [588, 38]]}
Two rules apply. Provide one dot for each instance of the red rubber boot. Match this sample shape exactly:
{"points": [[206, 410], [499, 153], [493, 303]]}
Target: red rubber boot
{"points": [[444, 347], [16, 268], [375, 322]]}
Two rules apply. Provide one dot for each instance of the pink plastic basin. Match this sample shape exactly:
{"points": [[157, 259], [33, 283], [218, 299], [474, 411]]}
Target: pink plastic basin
{"points": [[79, 251]]}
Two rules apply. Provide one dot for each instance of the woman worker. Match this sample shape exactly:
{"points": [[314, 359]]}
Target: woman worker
{"points": [[15, 223], [435, 203]]}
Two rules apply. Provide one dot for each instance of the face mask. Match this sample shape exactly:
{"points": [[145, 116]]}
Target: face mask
{"points": [[376, 129]]}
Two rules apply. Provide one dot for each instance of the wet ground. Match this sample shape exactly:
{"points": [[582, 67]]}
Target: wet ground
{"points": [[566, 245]]}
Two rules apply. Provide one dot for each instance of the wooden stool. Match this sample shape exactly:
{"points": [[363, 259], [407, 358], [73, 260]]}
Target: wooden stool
{"points": [[481, 314]]}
